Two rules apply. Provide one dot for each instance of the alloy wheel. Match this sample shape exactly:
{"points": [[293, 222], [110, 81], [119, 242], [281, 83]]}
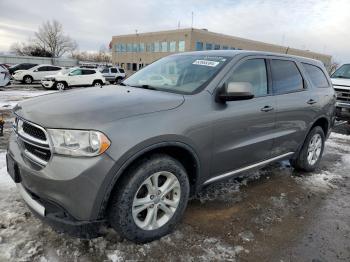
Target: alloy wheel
{"points": [[156, 200], [314, 149]]}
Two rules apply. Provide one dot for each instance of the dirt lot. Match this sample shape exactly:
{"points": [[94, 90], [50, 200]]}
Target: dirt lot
{"points": [[276, 214]]}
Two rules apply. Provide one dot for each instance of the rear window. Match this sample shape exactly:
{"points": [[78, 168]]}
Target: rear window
{"points": [[53, 68], [114, 70], [286, 77], [316, 75]]}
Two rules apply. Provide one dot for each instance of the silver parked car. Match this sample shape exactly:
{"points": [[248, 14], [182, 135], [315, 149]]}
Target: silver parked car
{"points": [[131, 156]]}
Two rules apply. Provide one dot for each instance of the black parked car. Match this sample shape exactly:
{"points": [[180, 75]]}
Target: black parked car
{"points": [[23, 66]]}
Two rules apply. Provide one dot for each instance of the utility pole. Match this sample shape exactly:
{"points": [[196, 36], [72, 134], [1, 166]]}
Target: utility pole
{"points": [[192, 20]]}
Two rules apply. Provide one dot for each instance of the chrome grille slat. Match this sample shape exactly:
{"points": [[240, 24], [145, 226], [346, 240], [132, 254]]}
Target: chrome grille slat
{"points": [[342, 94], [34, 141]]}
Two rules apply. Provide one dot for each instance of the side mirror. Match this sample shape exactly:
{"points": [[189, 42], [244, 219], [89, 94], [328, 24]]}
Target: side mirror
{"points": [[235, 91], [36, 70]]}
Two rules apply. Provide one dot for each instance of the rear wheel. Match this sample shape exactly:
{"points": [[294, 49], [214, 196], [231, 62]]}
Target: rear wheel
{"points": [[118, 80], [97, 83], [150, 200], [61, 86], [311, 153], [28, 79]]}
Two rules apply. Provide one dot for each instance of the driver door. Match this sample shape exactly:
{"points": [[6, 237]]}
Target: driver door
{"points": [[74, 77], [243, 131]]}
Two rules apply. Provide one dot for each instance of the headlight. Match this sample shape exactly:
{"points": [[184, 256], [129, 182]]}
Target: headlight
{"points": [[78, 142]]}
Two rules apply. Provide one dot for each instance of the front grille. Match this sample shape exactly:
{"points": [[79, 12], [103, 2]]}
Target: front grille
{"points": [[343, 95], [41, 153], [34, 131], [33, 141]]}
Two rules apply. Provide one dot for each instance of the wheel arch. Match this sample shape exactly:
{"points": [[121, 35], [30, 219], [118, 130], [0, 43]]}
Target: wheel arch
{"points": [[182, 152]]}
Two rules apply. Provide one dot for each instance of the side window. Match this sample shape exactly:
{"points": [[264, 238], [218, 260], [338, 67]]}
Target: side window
{"points": [[105, 71], [114, 70], [316, 75], [43, 68], [286, 77], [76, 72], [88, 72], [254, 72], [121, 70], [55, 68]]}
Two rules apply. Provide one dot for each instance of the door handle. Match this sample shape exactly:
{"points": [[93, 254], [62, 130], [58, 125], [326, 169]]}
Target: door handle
{"points": [[267, 108], [311, 102]]}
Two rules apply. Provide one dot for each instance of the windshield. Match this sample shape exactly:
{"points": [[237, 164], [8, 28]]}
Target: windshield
{"points": [[184, 74], [342, 72]]}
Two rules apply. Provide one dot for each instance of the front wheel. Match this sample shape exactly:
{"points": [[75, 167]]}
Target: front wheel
{"points": [[28, 80], [150, 200], [311, 153]]}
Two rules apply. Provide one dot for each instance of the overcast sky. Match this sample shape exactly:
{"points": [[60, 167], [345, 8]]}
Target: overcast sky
{"points": [[317, 25]]}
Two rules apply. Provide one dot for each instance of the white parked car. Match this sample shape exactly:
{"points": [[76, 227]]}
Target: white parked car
{"points": [[74, 77], [4, 76], [35, 73], [113, 74]]}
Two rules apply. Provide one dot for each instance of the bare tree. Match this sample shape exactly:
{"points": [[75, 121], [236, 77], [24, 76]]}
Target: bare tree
{"points": [[50, 37], [30, 49]]}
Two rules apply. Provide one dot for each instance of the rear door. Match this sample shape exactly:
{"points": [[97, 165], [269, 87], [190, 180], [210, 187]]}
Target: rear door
{"points": [[297, 105], [74, 77], [243, 131], [88, 76]]}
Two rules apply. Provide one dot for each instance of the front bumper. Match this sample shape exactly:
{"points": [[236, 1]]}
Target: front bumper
{"points": [[343, 111], [66, 186], [47, 83], [17, 77]]}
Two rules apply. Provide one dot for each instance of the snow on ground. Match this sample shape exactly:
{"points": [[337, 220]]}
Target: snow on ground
{"points": [[329, 179], [9, 99]]}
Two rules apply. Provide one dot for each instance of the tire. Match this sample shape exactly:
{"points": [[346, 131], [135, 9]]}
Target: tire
{"points": [[123, 212], [28, 80], [60, 86], [97, 83], [118, 80], [304, 161]]}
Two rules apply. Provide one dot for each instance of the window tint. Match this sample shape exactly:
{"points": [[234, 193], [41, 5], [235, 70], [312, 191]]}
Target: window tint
{"points": [[316, 75], [105, 71], [88, 72], [53, 68], [199, 46], [114, 70], [75, 72], [121, 70], [43, 68], [254, 72], [285, 77]]}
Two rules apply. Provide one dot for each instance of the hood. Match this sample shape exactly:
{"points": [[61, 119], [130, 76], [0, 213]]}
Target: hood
{"points": [[90, 107], [340, 82], [19, 71]]}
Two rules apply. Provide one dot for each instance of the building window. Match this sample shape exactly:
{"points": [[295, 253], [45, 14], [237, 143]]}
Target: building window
{"points": [[142, 47], [216, 47], [134, 67], [232, 48], [122, 47], [164, 46], [181, 46], [156, 47], [224, 47], [129, 48], [208, 46], [172, 47], [199, 46], [128, 66], [135, 47]]}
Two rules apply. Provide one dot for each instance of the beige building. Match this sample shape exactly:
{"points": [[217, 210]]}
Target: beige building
{"points": [[134, 51]]}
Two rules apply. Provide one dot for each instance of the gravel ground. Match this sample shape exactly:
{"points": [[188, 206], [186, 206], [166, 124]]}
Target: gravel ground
{"points": [[276, 214]]}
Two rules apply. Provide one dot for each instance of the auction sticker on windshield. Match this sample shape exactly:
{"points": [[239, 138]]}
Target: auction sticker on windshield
{"points": [[206, 63]]}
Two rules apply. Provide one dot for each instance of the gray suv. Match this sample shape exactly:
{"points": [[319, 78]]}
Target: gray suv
{"points": [[131, 155]]}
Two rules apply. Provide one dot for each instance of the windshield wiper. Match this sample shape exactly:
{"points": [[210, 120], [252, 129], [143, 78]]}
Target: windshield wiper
{"points": [[144, 87]]}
